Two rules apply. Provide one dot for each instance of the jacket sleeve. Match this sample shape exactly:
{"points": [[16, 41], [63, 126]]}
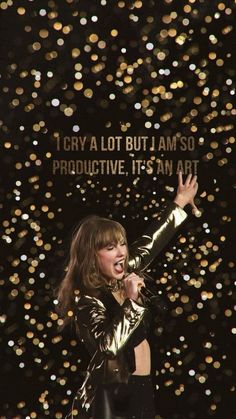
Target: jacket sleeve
{"points": [[108, 335], [145, 249]]}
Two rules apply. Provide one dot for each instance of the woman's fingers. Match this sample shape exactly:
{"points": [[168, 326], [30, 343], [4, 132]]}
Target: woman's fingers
{"points": [[133, 277], [186, 191], [133, 283], [180, 178], [193, 181], [188, 180]]}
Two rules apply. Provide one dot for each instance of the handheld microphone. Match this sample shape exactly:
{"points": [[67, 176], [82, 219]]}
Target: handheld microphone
{"points": [[151, 298], [154, 300]]}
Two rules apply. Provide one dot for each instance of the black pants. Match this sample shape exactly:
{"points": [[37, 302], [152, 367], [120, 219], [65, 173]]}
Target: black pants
{"points": [[134, 400], [141, 398]]}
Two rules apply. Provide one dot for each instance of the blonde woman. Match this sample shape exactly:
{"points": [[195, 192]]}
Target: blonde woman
{"points": [[102, 287]]}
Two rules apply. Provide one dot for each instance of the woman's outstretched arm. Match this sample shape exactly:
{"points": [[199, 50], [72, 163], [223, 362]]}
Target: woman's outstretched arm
{"points": [[145, 249]]}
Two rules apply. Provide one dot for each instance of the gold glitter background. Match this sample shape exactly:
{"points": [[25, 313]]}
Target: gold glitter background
{"points": [[117, 68]]}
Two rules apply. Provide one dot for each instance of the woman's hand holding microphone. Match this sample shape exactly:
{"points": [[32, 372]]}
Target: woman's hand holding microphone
{"points": [[132, 285]]}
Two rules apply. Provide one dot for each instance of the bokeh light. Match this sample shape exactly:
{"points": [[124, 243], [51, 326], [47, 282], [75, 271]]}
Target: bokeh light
{"points": [[122, 68]]}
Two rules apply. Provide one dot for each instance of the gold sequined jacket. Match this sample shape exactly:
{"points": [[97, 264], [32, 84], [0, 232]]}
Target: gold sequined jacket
{"points": [[105, 333]]}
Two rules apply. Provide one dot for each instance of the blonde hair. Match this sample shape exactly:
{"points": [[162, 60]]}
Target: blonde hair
{"points": [[82, 273]]}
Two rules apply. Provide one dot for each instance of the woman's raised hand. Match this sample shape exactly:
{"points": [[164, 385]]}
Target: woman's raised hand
{"points": [[132, 284], [186, 192]]}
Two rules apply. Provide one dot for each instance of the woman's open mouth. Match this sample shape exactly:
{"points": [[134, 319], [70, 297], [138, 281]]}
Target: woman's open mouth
{"points": [[119, 266]]}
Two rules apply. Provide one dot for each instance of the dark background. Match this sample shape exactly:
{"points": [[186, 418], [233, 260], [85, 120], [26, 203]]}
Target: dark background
{"points": [[44, 45]]}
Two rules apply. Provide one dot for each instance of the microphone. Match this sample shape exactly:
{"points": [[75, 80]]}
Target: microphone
{"points": [[154, 300], [150, 297]]}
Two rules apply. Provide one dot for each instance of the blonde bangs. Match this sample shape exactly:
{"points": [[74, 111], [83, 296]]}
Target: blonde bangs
{"points": [[109, 232]]}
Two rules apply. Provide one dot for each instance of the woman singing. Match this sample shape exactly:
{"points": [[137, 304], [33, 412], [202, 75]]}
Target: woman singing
{"points": [[102, 287]]}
